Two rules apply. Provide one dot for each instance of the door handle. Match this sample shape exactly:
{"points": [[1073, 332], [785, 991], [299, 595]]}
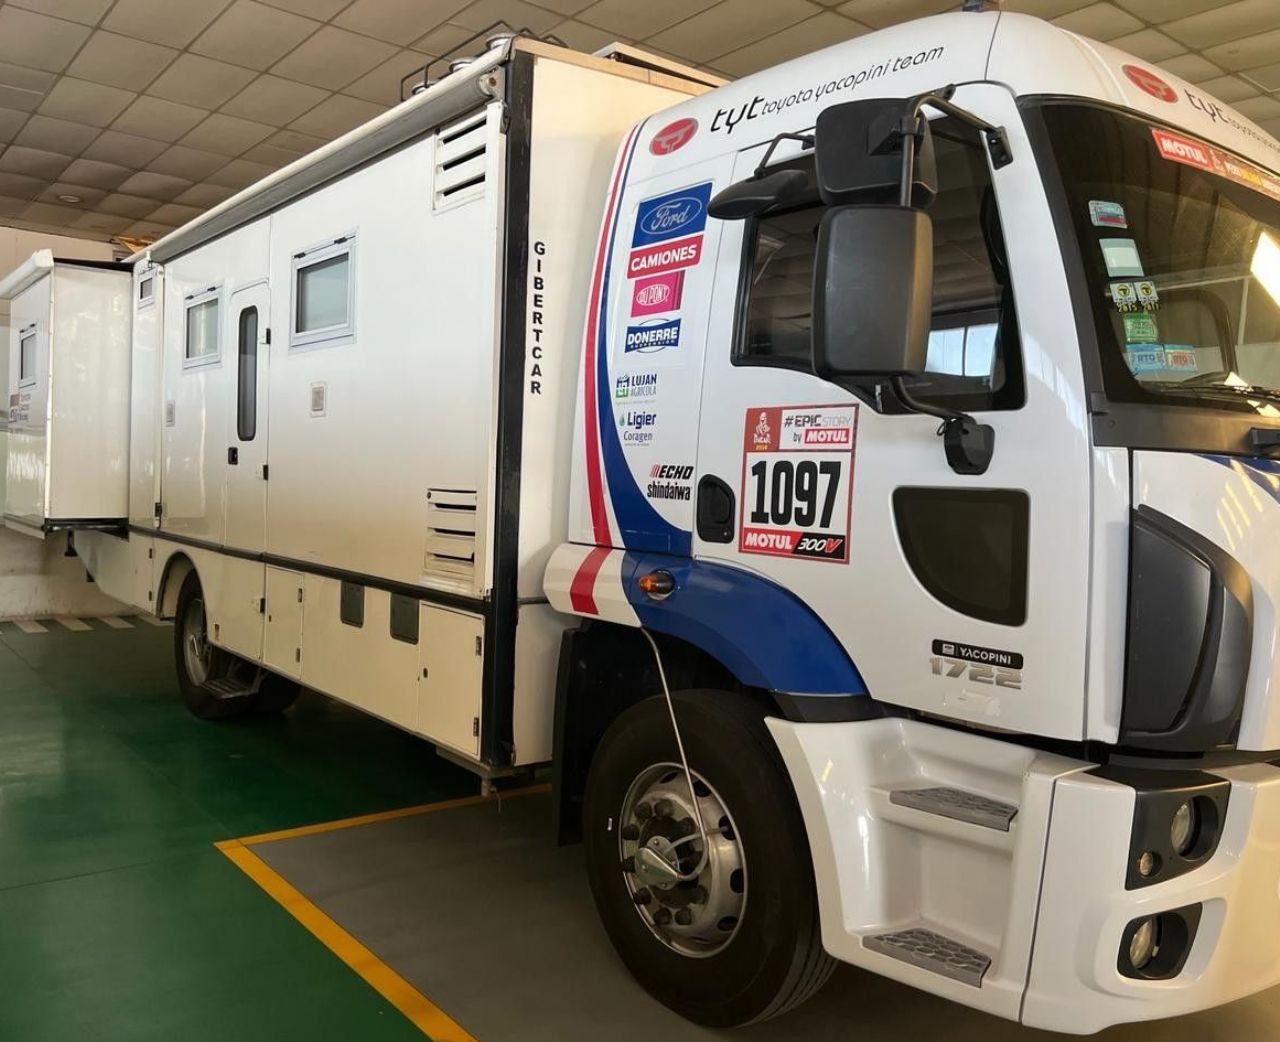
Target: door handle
{"points": [[233, 455], [715, 510]]}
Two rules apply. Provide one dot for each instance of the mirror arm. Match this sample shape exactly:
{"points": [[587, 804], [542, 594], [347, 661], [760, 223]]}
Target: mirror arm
{"points": [[806, 141], [969, 445], [996, 138]]}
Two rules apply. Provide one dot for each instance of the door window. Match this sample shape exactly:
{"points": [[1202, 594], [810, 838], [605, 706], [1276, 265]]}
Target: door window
{"points": [[974, 360], [247, 375]]}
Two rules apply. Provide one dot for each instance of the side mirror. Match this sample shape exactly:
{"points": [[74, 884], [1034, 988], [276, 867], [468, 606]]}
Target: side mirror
{"points": [[755, 195], [872, 292], [858, 153]]}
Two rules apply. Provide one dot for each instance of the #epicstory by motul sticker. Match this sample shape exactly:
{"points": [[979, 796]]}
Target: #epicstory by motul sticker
{"points": [[797, 481]]}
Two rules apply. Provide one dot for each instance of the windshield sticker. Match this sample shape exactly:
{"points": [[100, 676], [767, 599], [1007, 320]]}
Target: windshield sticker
{"points": [[1107, 215], [1140, 328], [1125, 295], [1121, 257], [1190, 152], [1148, 295], [797, 481], [1161, 358]]}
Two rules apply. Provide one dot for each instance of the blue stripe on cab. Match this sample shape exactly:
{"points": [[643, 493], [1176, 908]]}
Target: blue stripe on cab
{"points": [[763, 634]]}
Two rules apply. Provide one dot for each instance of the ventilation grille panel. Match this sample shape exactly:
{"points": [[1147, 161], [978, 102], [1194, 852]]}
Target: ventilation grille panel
{"points": [[451, 536], [461, 160]]}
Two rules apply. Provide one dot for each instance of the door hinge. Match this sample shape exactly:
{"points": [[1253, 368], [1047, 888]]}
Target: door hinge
{"points": [[158, 510], [268, 335], [262, 606], [297, 654], [475, 727], [265, 471], [479, 645], [151, 553], [299, 595]]}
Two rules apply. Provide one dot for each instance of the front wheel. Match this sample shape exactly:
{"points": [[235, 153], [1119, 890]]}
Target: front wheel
{"points": [[737, 940]]}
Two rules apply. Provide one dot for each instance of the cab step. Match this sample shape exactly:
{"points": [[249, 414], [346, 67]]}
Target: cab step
{"points": [[229, 688], [932, 951], [958, 805]]}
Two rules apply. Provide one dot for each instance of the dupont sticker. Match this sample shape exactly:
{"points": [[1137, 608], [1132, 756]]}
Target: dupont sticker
{"points": [[797, 481], [660, 293], [672, 216], [652, 336], [683, 253]]}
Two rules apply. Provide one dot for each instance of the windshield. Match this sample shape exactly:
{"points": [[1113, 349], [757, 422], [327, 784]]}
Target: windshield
{"points": [[1181, 248]]}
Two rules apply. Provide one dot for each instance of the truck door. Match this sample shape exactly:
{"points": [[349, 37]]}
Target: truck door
{"points": [[247, 424], [963, 595]]}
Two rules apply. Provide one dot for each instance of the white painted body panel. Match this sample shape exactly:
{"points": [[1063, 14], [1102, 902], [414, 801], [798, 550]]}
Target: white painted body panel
{"points": [[69, 421]]}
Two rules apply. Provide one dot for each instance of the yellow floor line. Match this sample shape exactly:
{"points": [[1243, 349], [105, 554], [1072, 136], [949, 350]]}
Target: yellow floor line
{"points": [[420, 1010], [387, 815]]}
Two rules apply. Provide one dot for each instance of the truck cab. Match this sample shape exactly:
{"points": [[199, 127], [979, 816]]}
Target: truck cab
{"points": [[979, 498]]}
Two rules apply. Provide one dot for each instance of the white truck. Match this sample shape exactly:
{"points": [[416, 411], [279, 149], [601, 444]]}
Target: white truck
{"points": [[872, 516]]}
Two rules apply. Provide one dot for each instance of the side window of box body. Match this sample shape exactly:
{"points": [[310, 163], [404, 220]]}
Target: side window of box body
{"points": [[27, 352], [322, 295], [202, 328]]}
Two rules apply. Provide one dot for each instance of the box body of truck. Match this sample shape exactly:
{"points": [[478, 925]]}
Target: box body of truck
{"points": [[68, 456]]}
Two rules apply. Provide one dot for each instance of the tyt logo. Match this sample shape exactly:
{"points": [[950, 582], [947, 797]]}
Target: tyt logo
{"points": [[1150, 82]]}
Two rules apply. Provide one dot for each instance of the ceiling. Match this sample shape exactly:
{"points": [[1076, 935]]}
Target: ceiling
{"points": [[129, 117]]}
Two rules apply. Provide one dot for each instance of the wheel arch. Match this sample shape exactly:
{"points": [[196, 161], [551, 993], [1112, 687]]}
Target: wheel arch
{"points": [[604, 669], [176, 569]]}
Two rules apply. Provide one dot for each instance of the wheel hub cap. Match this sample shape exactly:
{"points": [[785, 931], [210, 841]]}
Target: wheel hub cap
{"points": [[658, 843]]}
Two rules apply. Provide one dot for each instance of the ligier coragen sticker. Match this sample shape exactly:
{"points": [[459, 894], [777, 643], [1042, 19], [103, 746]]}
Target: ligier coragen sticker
{"points": [[797, 481]]}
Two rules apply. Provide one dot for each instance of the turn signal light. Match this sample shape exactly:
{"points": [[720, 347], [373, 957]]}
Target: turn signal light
{"points": [[658, 585]]}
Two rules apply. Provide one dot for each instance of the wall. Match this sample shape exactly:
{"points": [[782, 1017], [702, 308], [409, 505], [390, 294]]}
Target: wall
{"points": [[36, 579]]}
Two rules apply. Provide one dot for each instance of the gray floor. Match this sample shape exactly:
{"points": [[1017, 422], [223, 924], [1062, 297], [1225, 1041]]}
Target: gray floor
{"points": [[478, 910]]}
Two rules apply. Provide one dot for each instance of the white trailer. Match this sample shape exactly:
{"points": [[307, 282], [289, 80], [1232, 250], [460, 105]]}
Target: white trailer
{"points": [[872, 515]]}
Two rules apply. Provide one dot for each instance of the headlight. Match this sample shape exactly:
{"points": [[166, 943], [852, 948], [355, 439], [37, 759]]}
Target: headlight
{"points": [[1184, 827]]}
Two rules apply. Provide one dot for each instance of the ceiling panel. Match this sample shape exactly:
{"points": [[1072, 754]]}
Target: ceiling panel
{"points": [[149, 111]]}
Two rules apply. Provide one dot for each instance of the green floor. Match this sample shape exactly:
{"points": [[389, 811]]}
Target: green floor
{"points": [[118, 918]]}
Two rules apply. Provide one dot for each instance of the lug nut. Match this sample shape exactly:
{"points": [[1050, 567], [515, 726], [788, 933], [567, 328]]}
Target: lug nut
{"points": [[628, 865], [642, 896], [684, 917], [631, 832], [663, 808], [662, 917], [644, 811]]}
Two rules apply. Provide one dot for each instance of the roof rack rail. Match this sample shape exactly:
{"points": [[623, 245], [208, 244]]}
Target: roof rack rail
{"points": [[495, 35]]}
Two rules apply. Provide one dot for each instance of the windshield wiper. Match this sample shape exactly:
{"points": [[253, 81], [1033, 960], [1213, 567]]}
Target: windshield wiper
{"points": [[1233, 390]]}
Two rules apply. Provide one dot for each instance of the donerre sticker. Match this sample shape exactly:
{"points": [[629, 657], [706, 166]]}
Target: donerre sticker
{"points": [[797, 481]]}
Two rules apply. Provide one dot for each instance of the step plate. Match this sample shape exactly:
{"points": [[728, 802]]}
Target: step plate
{"points": [[957, 804], [931, 951]]}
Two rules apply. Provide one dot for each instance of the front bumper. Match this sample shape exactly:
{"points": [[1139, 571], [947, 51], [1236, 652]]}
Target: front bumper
{"points": [[1075, 984], [1045, 901]]}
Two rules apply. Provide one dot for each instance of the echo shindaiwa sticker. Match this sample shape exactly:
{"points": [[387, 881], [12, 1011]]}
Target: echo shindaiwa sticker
{"points": [[797, 481]]}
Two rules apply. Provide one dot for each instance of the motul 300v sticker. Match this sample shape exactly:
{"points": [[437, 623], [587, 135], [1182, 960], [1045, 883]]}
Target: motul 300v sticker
{"points": [[797, 481]]}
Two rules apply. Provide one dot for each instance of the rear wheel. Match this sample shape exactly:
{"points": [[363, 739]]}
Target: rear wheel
{"points": [[201, 665], [735, 940]]}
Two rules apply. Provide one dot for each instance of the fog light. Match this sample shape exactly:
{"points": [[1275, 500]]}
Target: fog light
{"points": [[1144, 943], [1183, 828]]}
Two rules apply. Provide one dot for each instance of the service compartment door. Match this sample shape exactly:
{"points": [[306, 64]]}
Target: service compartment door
{"points": [[282, 648], [830, 497], [248, 358], [452, 657]]}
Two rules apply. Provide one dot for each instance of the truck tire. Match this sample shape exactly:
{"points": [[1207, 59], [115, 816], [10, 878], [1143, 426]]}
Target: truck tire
{"points": [[741, 942], [276, 693], [198, 661]]}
